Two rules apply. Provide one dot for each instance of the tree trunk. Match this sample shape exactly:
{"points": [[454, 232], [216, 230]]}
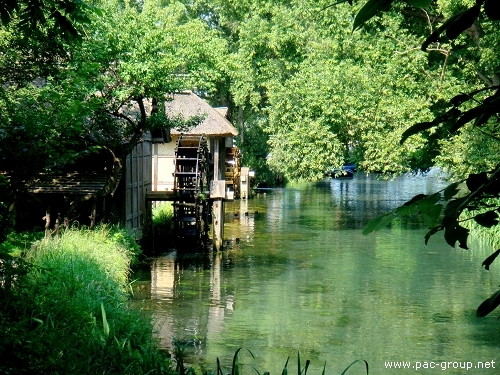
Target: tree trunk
{"points": [[241, 125]]}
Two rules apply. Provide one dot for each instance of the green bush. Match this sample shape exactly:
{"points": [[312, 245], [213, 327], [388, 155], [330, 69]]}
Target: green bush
{"points": [[17, 243], [163, 225], [69, 313]]}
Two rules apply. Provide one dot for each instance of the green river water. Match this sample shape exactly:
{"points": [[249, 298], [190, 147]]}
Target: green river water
{"points": [[297, 275]]}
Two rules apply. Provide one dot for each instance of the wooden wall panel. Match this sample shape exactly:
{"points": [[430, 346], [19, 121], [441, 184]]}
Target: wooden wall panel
{"points": [[138, 176]]}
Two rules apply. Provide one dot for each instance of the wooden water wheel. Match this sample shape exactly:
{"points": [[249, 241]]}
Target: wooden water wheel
{"points": [[191, 188]]}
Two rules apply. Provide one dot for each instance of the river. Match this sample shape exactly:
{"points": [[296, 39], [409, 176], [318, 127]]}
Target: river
{"points": [[298, 276]]}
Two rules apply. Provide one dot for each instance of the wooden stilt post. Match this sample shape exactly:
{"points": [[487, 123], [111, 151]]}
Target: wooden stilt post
{"points": [[218, 224], [56, 229], [93, 213], [149, 221], [47, 223], [218, 193]]}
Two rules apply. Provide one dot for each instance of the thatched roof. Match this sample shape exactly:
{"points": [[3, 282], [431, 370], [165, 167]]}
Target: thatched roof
{"points": [[188, 105]]}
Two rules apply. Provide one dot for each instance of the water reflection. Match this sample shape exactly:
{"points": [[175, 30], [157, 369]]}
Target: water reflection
{"points": [[298, 275], [163, 277]]}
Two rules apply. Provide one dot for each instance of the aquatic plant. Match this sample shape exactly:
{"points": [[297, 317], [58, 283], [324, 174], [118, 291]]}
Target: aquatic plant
{"points": [[236, 367]]}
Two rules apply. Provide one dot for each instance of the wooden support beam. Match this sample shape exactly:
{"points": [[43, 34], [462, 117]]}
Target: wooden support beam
{"points": [[218, 224], [56, 229], [149, 220], [93, 213], [47, 224]]}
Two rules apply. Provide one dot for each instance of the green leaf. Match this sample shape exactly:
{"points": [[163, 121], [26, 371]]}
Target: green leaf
{"points": [[450, 115], [105, 325], [459, 99], [378, 223], [369, 10], [492, 10], [431, 215], [432, 232], [476, 180], [493, 186], [236, 362], [410, 207], [489, 305], [285, 369], [453, 232], [356, 361], [452, 209], [470, 115], [420, 3], [417, 128], [462, 23], [487, 262], [434, 37], [431, 200], [219, 369], [419, 204], [487, 219], [451, 191]]}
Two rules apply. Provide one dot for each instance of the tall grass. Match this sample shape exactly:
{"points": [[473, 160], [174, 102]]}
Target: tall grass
{"points": [[491, 236], [70, 315], [162, 235], [163, 215]]}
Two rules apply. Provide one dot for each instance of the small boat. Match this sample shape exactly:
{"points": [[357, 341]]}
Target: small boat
{"points": [[347, 171]]}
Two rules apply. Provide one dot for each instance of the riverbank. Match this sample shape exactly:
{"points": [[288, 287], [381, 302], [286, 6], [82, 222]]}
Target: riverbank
{"points": [[64, 309]]}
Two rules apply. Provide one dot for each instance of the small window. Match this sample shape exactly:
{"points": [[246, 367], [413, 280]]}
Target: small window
{"points": [[160, 136]]}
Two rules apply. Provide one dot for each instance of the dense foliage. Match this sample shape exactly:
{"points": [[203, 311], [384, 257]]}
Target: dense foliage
{"points": [[416, 84], [324, 95]]}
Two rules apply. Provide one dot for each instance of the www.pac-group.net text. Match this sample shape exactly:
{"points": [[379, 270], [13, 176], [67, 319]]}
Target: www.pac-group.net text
{"points": [[440, 365]]}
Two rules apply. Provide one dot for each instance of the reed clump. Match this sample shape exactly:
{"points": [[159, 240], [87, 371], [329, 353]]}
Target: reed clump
{"points": [[67, 311], [163, 216]]}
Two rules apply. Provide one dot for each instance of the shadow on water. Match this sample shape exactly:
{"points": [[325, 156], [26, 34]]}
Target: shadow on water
{"points": [[297, 274]]}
